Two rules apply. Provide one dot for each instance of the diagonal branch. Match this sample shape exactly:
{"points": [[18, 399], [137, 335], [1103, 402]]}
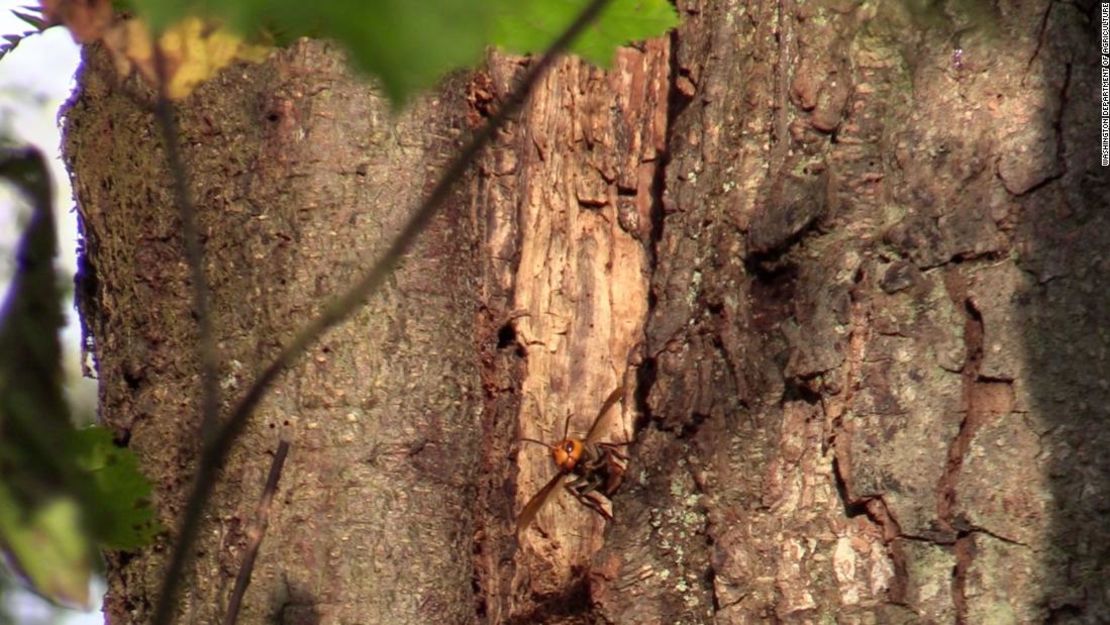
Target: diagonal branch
{"points": [[217, 449], [255, 534]]}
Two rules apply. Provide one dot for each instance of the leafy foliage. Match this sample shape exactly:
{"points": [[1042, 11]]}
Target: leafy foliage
{"points": [[48, 547], [123, 519], [525, 27], [192, 51], [409, 44], [63, 491]]}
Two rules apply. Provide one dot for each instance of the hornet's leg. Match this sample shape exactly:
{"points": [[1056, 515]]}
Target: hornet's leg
{"points": [[593, 503], [583, 488], [615, 466]]}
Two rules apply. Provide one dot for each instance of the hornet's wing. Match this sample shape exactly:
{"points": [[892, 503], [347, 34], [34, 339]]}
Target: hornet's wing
{"points": [[596, 429], [535, 503]]}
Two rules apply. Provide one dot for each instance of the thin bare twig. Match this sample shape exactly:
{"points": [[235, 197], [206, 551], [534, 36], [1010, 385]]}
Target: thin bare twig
{"points": [[194, 253], [255, 534], [215, 453]]}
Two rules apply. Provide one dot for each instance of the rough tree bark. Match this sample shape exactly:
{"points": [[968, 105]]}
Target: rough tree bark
{"points": [[846, 260], [301, 175], [877, 354]]}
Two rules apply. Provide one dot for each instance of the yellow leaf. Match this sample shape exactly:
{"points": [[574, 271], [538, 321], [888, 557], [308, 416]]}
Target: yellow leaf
{"points": [[48, 547], [193, 50]]}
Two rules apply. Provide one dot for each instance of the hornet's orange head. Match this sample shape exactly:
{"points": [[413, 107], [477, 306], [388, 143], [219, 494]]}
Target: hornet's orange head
{"points": [[567, 453]]}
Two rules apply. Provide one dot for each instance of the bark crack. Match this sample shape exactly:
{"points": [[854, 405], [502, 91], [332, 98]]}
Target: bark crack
{"points": [[975, 529], [676, 100], [1040, 39], [784, 35], [1058, 126], [973, 419]]}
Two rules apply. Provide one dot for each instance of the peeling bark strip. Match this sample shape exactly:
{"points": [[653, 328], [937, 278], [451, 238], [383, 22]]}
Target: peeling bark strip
{"points": [[581, 280], [572, 191]]}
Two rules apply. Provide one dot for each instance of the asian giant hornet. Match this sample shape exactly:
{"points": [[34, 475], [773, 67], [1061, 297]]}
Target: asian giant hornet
{"points": [[596, 467]]}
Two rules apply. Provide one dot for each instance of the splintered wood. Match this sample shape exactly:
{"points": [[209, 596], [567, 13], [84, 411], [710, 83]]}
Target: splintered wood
{"points": [[588, 151]]}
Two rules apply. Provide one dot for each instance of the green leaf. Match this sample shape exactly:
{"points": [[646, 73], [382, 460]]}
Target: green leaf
{"points": [[121, 517], [160, 14], [529, 27], [48, 547], [408, 45]]}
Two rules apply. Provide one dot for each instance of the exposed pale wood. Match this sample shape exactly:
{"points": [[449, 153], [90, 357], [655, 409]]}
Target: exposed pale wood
{"points": [[586, 155]]}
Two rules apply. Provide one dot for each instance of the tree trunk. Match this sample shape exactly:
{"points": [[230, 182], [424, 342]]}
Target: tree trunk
{"points": [[877, 355], [301, 177], [845, 259]]}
